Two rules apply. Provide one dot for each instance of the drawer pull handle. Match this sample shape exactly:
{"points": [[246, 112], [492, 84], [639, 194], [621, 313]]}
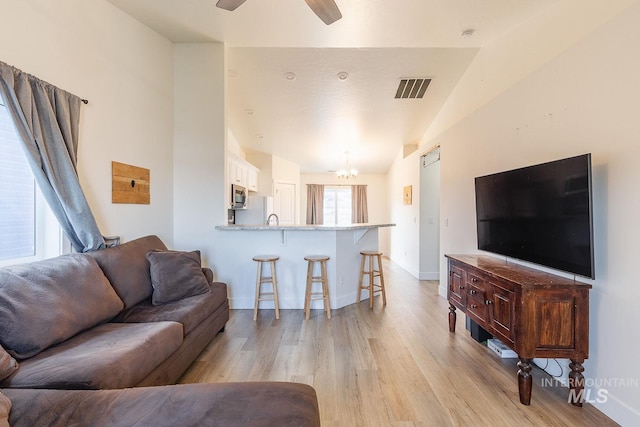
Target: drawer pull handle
{"points": [[488, 302], [474, 306], [460, 287], [473, 279], [473, 292]]}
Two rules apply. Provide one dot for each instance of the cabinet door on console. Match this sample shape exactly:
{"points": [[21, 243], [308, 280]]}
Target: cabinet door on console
{"points": [[456, 286], [501, 304], [561, 307]]}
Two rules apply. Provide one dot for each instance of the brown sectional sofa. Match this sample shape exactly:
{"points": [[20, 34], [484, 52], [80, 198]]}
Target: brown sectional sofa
{"points": [[86, 328], [79, 306]]}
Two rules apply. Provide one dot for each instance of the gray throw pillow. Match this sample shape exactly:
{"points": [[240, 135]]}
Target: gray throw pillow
{"points": [[8, 364], [176, 275]]}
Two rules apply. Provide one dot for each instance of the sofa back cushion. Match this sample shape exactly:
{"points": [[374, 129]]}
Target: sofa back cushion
{"points": [[127, 268], [46, 302]]}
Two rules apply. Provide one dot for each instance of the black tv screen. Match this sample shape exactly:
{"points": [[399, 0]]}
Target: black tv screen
{"points": [[541, 214]]}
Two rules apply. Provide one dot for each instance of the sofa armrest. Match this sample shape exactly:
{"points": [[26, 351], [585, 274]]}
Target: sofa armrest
{"points": [[208, 273]]}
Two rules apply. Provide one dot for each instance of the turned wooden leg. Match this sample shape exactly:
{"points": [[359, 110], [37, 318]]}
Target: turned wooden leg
{"points": [[307, 292], [524, 380], [452, 318], [360, 279], [576, 382]]}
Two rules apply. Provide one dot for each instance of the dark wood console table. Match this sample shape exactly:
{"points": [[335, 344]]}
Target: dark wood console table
{"points": [[536, 314]]}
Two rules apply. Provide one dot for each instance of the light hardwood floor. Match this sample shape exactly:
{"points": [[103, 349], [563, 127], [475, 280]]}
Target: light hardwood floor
{"points": [[391, 366]]}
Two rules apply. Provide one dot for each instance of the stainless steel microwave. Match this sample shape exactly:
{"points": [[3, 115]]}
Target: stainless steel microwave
{"points": [[238, 197]]}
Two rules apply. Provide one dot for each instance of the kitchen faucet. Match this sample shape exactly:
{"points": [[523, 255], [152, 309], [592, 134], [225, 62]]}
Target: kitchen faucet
{"points": [[269, 219]]}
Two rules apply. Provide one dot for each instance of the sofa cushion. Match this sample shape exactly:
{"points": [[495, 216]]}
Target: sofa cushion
{"points": [[47, 302], [249, 404], [175, 275], [127, 268], [8, 364], [112, 355], [190, 311]]}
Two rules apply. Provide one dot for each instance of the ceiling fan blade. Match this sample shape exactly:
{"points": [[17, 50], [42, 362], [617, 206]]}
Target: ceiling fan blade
{"points": [[229, 4], [327, 10]]}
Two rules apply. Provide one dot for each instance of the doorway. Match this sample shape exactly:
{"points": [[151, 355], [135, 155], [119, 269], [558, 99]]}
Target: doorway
{"points": [[429, 246], [284, 202]]}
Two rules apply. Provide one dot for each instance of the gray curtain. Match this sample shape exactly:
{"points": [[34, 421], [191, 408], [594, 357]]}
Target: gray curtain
{"points": [[359, 210], [47, 119], [315, 203]]}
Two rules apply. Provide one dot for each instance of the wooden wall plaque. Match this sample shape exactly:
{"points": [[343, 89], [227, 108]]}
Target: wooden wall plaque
{"points": [[407, 195], [130, 184]]}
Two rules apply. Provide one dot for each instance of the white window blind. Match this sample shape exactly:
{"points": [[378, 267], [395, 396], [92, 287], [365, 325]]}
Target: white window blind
{"points": [[17, 195], [337, 205]]}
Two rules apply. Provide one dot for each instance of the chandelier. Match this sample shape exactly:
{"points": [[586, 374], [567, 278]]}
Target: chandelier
{"points": [[347, 172]]}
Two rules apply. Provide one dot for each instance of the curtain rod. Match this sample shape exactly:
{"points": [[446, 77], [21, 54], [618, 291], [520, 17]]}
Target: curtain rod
{"points": [[84, 101]]}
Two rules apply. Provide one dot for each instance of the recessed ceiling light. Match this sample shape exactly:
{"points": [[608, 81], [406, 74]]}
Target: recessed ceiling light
{"points": [[289, 75], [467, 33], [233, 73], [249, 111], [343, 75], [259, 136]]}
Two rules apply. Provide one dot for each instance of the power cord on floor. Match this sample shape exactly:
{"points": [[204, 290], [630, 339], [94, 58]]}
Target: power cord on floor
{"points": [[560, 377]]}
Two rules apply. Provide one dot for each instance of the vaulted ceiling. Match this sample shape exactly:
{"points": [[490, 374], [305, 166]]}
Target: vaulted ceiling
{"points": [[285, 92]]}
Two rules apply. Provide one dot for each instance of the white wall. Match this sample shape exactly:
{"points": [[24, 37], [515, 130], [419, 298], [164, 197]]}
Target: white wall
{"points": [[200, 149], [405, 236], [378, 202], [581, 100], [233, 146], [124, 69]]}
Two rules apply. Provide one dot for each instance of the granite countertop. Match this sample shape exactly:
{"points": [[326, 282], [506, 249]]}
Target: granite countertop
{"points": [[304, 227]]}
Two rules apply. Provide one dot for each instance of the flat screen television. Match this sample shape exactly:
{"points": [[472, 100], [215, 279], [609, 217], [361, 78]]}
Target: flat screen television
{"points": [[541, 214]]}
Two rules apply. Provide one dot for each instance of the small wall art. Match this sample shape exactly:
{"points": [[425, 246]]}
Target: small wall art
{"points": [[406, 195], [130, 184]]}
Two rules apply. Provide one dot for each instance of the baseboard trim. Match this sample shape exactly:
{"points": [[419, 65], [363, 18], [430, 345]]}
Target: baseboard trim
{"points": [[429, 275]]}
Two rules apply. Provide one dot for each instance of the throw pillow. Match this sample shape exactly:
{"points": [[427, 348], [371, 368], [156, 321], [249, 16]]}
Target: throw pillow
{"points": [[8, 364], [5, 408], [176, 275]]}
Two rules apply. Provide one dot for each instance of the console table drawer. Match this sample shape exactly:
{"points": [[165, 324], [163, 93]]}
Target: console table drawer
{"points": [[477, 291], [476, 298]]}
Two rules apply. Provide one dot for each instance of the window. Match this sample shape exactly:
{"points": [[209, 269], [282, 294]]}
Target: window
{"points": [[337, 205], [28, 229], [17, 195]]}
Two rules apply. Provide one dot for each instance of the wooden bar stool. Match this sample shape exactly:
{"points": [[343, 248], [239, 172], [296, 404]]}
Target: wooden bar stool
{"points": [[372, 272], [260, 280], [311, 279]]}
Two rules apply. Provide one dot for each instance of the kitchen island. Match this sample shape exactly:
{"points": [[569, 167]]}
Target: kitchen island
{"points": [[342, 243]]}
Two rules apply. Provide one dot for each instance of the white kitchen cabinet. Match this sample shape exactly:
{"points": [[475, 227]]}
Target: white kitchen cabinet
{"points": [[242, 173], [252, 178]]}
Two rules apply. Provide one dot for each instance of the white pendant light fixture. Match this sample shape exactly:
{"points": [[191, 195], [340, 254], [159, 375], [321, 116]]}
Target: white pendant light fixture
{"points": [[347, 172]]}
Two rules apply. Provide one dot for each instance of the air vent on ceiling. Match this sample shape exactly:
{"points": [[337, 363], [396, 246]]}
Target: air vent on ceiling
{"points": [[412, 88]]}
